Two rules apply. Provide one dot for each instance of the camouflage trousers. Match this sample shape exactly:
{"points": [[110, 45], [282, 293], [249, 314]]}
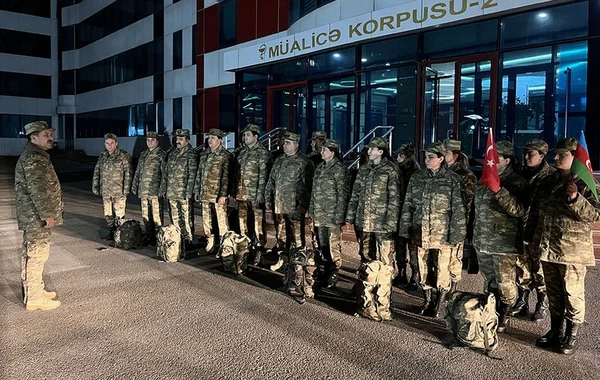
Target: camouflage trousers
{"points": [[406, 252], [499, 274], [252, 221], [36, 249], [565, 285], [377, 246], [182, 215], [114, 210], [288, 231], [220, 211], [456, 264], [530, 274], [329, 241], [434, 267], [152, 214]]}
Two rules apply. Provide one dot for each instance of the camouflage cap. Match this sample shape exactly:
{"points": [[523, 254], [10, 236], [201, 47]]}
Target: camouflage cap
{"points": [[329, 143], [152, 135], [111, 136], [292, 136], [437, 148], [406, 149], [319, 135], [505, 148], [182, 133], [216, 132], [282, 132], [251, 128], [452, 145], [37, 126], [378, 142], [539, 145], [566, 145]]}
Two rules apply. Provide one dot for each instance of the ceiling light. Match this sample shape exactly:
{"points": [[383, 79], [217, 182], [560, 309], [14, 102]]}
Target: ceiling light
{"points": [[542, 15], [336, 55], [363, 60]]}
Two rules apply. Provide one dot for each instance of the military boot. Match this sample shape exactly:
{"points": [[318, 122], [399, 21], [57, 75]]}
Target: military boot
{"points": [[569, 344], [332, 278], [505, 310], [280, 262], [42, 304], [440, 304], [553, 337], [427, 304], [50, 295], [402, 277], [413, 284], [521, 308], [541, 307], [111, 234], [257, 252]]}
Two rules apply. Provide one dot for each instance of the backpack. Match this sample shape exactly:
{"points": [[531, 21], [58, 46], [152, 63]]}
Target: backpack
{"points": [[168, 243], [373, 290], [473, 320], [299, 278], [128, 235], [234, 252]]}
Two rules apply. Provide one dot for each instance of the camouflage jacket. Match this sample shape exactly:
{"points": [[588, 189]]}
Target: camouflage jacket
{"points": [[375, 202], [469, 182], [251, 172], [112, 174], [38, 195], [290, 183], [149, 172], [563, 232], [533, 178], [407, 169], [433, 214], [212, 177], [498, 224], [330, 194], [177, 183]]}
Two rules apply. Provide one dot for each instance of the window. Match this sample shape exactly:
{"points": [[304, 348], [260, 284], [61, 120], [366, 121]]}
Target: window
{"points": [[177, 50], [25, 85], [177, 113], [22, 43], [465, 39], [300, 8], [332, 62], [12, 125], [133, 120], [227, 23], [389, 52], [34, 8], [227, 108]]}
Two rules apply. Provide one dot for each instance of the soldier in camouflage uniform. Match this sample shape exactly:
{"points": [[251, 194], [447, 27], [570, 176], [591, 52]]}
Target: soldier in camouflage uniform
{"points": [[328, 203], [375, 205], [177, 184], [112, 180], [434, 218], [288, 193], [498, 232], [529, 269], [211, 188], [458, 162], [280, 235], [316, 143], [251, 179], [405, 248], [146, 185], [39, 208], [564, 210]]}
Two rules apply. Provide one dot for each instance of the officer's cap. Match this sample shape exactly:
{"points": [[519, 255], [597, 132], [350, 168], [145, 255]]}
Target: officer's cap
{"points": [[539, 145], [332, 144], [216, 132], [251, 128], [437, 148], [452, 145], [292, 136], [406, 149], [566, 145], [152, 135], [37, 126], [111, 136], [182, 133], [505, 148], [319, 135], [378, 142]]}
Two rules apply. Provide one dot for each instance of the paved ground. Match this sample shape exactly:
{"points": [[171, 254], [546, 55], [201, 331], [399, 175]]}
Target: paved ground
{"points": [[128, 315]]}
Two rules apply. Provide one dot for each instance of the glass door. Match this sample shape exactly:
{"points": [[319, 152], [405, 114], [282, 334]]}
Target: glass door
{"points": [[341, 116], [286, 108]]}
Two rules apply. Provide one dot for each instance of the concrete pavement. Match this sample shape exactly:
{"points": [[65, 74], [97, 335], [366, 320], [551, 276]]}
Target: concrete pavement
{"points": [[126, 315]]}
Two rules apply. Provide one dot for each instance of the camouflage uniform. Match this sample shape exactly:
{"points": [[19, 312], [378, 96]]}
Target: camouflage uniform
{"points": [[112, 180], [330, 194], [146, 185], [374, 208], [38, 197], [212, 183], [251, 180], [178, 185]]}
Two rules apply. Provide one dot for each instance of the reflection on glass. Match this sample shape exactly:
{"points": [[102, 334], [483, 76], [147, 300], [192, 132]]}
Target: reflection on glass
{"points": [[474, 106]]}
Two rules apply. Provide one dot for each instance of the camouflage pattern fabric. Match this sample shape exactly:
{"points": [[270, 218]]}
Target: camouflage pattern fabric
{"points": [[177, 182], [112, 174], [329, 241], [499, 273], [128, 234], [252, 221], [35, 253], [251, 173], [379, 247], [234, 251], [406, 252], [148, 174], [114, 210], [181, 212], [168, 243], [330, 194], [152, 214], [469, 181], [300, 273], [375, 202], [289, 186], [213, 174], [288, 232], [374, 291], [434, 268], [208, 209], [566, 290], [473, 320]]}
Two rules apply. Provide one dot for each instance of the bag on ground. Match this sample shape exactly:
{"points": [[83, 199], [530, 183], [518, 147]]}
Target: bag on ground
{"points": [[168, 243], [300, 273], [234, 252], [128, 235], [473, 320], [374, 290]]}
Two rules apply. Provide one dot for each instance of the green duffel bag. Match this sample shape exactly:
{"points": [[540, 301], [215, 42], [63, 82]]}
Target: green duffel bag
{"points": [[168, 243], [233, 252], [128, 235]]}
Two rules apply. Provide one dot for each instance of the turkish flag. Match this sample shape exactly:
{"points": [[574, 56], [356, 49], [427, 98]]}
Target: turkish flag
{"points": [[490, 177]]}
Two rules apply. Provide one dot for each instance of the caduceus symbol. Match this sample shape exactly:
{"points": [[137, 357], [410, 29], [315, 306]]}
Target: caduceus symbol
{"points": [[262, 49]]}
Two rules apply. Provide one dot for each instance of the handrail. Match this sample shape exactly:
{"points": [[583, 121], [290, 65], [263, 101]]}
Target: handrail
{"points": [[267, 138], [356, 146]]}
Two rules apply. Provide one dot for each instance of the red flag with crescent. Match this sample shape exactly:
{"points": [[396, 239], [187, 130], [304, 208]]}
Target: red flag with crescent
{"points": [[490, 177]]}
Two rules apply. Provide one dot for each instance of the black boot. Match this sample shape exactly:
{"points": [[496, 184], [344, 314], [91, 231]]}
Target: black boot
{"points": [[402, 277], [440, 304], [541, 307], [553, 337], [257, 249], [569, 344], [427, 304], [504, 316], [521, 308], [333, 278], [413, 284], [111, 234]]}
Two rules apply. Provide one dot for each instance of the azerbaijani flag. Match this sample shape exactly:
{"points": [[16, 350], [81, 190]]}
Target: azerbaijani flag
{"points": [[582, 167], [490, 177]]}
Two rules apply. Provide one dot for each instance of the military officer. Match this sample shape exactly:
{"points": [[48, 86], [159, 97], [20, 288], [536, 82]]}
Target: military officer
{"points": [[112, 180], [316, 143], [146, 185], [434, 218], [251, 179], [498, 231], [328, 203], [39, 208], [288, 193], [458, 162], [177, 184], [564, 210], [211, 188]]}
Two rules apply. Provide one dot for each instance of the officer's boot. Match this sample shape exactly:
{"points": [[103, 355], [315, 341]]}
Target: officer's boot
{"points": [[413, 284], [541, 307], [427, 304], [553, 337], [111, 234], [333, 277], [521, 308], [280, 261], [402, 277], [440, 304], [569, 344], [505, 310]]}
